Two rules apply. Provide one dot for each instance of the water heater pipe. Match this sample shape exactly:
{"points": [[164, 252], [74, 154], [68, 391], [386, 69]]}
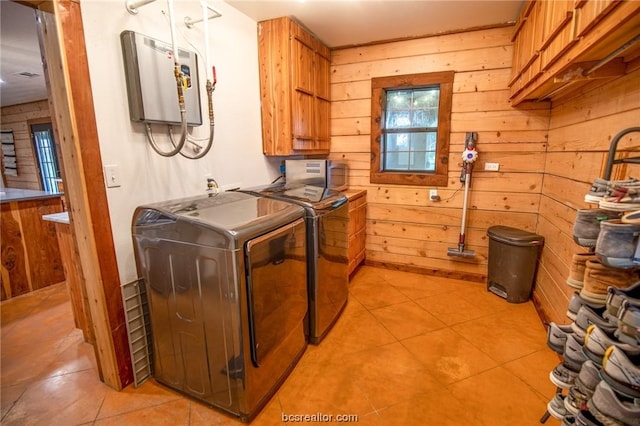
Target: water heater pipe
{"points": [[210, 87], [178, 75], [205, 25]]}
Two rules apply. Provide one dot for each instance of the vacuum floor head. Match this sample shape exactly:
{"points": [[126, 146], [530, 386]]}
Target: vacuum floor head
{"points": [[454, 252]]}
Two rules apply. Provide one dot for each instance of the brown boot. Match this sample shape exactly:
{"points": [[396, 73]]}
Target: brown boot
{"points": [[576, 271], [598, 277]]}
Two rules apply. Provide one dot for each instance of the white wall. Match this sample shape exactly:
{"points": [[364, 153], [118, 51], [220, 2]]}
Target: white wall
{"points": [[236, 157]]}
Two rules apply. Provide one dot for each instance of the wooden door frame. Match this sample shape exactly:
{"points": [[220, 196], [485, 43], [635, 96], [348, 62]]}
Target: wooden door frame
{"points": [[65, 61]]}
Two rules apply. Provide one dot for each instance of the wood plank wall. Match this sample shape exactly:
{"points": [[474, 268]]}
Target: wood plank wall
{"points": [[581, 130], [15, 118], [404, 228]]}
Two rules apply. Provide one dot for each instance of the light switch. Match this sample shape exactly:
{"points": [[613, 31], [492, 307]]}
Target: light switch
{"points": [[111, 176]]}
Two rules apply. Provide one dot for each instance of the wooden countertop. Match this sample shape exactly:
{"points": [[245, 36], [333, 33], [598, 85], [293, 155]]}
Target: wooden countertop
{"points": [[354, 193]]}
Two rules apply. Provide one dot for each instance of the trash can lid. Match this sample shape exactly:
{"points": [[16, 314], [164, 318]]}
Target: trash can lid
{"points": [[514, 236]]}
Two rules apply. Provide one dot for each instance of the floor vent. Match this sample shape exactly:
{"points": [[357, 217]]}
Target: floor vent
{"points": [[136, 310]]}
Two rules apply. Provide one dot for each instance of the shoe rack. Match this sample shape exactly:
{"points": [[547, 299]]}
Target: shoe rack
{"points": [[613, 151], [613, 158]]}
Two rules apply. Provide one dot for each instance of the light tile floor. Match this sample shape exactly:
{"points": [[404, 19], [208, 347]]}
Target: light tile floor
{"points": [[408, 350]]}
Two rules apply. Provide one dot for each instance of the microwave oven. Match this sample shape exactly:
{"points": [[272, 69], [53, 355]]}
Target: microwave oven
{"points": [[322, 173]]}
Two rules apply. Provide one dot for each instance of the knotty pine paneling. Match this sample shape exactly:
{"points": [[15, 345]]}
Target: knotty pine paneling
{"points": [[580, 133], [560, 215], [480, 59], [515, 138], [422, 263], [550, 302], [506, 140], [620, 95], [567, 191], [355, 143], [423, 232], [520, 202], [580, 166], [489, 181], [586, 135], [15, 118], [419, 248], [509, 120], [472, 40]]}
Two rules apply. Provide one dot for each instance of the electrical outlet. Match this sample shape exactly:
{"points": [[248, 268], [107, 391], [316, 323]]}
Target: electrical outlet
{"points": [[493, 167], [433, 193], [112, 176]]}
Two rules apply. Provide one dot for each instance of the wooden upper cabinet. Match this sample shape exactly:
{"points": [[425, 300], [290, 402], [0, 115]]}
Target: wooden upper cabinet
{"points": [[562, 45], [294, 89]]}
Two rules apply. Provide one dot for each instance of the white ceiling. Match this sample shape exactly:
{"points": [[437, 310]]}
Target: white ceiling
{"points": [[19, 53], [353, 22], [336, 23]]}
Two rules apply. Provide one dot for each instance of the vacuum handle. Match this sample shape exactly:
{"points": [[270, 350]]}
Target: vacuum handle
{"points": [[470, 140]]}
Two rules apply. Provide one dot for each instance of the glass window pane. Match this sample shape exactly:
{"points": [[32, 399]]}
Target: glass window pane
{"points": [[397, 161], [419, 141], [397, 142], [417, 160], [425, 117], [422, 161], [426, 98], [398, 99], [430, 163], [398, 119], [432, 138]]}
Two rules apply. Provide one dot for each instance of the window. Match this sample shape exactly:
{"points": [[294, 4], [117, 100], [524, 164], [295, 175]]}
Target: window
{"points": [[46, 156], [410, 126]]}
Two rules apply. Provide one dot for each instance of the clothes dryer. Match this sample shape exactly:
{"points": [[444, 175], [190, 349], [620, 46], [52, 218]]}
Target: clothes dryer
{"points": [[226, 282], [327, 218]]}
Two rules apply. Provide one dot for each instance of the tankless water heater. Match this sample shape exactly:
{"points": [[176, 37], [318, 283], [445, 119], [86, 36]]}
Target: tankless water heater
{"points": [[151, 83]]}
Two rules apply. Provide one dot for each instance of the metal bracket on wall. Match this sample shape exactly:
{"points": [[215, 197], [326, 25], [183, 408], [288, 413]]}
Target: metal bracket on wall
{"points": [[190, 22], [133, 5]]}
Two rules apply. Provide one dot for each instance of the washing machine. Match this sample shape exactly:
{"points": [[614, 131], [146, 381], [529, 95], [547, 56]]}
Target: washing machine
{"points": [[327, 220], [225, 277]]}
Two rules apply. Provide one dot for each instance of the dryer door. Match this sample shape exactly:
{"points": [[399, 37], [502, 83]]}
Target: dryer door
{"points": [[276, 287]]}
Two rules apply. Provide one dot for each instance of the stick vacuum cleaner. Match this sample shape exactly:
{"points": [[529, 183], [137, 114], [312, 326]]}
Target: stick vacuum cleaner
{"points": [[469, 156]]}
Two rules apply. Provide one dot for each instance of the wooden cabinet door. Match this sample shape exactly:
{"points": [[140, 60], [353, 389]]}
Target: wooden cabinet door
{"points": [[590, 12], [575, 34], [323, 126], [356, 230], [302, 71], [294, 89], [322, 103], [302, 111], [558, 31], [323, 73], [303, 82]]}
